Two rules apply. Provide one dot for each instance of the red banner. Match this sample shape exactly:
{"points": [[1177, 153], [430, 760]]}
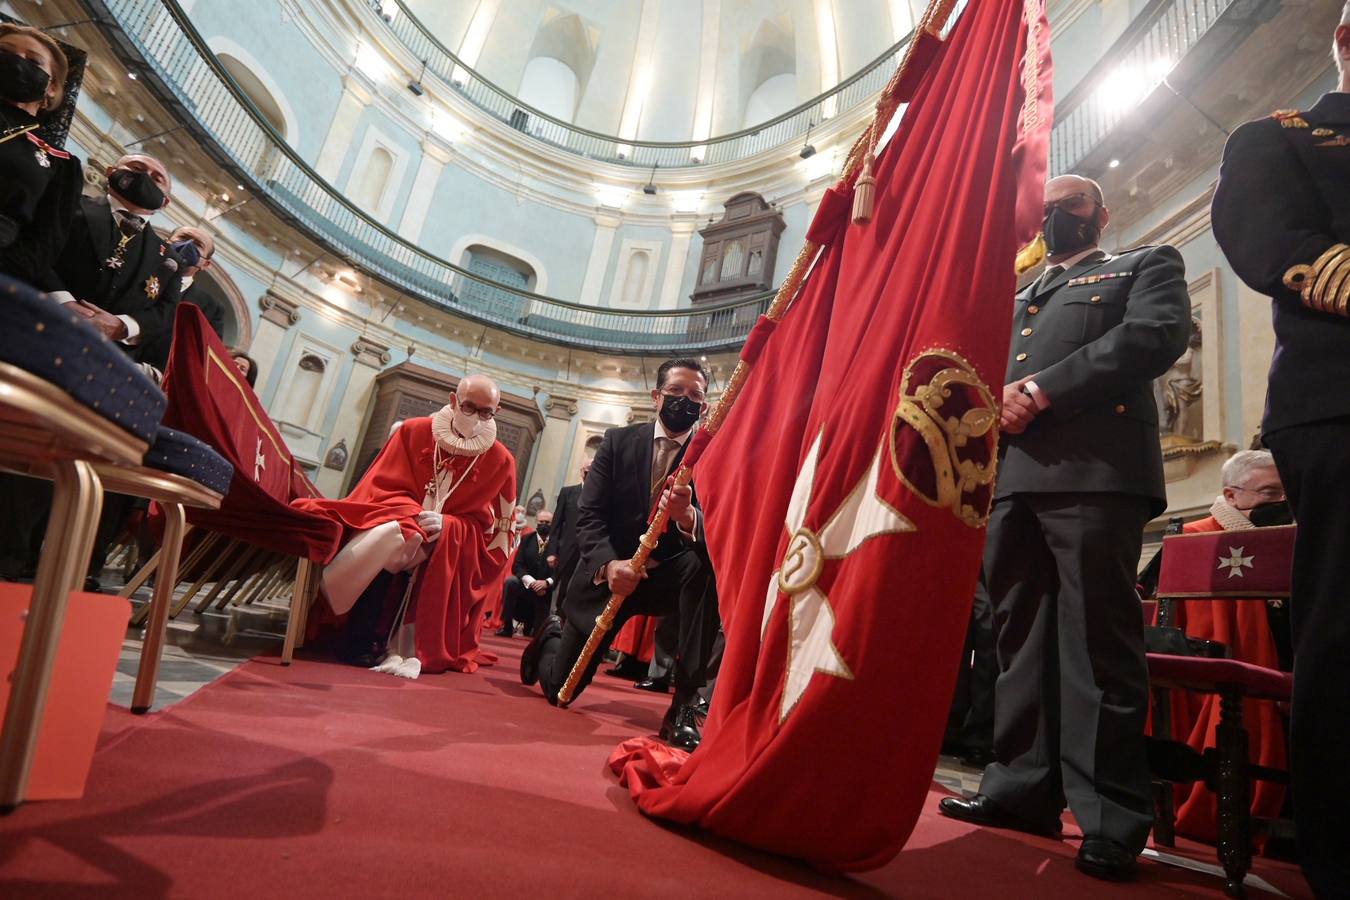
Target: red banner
{"points": [[209, 399], [1253, 562], [847, 564]]}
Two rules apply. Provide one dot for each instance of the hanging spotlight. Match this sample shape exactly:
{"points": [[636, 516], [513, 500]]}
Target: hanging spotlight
{"points": [[807, 150], [650, 188], [416, 86]]}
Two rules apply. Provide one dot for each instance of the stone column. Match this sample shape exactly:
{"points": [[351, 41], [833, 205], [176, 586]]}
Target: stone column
{"points": [[278, 315], [371, 357], [605, 229], [681, 233], [552, 458], [357, 94], [435, 154]]}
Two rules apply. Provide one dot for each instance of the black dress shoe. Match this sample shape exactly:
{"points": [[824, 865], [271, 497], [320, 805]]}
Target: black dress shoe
{"points": [[655, 685], [92, 585], [631, 669], [700, 708], [529, 660], [682, 731], [1105, 859], [980, 810], [507, 630]]}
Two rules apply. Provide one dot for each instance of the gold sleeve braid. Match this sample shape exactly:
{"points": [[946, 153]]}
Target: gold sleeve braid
{"points": [[1324, 285]]}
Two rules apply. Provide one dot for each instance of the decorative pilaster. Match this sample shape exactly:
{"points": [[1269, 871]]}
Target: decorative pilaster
{"points": [[357, 93], [435, 155], [371, 353], [278, 310]]}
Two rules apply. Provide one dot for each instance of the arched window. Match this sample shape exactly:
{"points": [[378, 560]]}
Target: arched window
{"points": [[373, 180], [635, 279], [502, 268], [775, 96], [265, 154], [551, 86]]}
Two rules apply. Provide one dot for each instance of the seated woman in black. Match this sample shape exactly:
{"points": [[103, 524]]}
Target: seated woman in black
{"points": [[39, 185]]}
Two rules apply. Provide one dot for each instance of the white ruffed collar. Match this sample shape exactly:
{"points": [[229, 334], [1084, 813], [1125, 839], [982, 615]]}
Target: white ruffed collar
{"points": [[452, 443]]}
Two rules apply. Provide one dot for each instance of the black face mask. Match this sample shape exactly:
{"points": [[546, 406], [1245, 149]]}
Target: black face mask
{"points": [[542, 531], [679, 414], [1066, 233], [1276, 512], [187, 251], [21, 80], [137, 188]]}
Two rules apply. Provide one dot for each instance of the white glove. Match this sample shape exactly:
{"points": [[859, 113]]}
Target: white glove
{"points": [[430, 522]]}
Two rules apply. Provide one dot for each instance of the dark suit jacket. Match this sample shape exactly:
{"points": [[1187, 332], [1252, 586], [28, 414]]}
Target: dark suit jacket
{"points": [[615, 500], [565, 513], [1283, 199], [125, 291], [529, 561], [1095, 344]]}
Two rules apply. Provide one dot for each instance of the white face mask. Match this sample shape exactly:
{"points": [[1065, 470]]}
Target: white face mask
{"points": [[465, 425]]}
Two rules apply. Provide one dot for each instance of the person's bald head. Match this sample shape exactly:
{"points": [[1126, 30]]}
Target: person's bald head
{"points": [[1065, 185], [479, 390], [543, 517]]}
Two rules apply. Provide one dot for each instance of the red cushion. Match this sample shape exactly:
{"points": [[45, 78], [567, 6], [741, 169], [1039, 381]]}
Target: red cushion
{"points": [[1194, 673]]}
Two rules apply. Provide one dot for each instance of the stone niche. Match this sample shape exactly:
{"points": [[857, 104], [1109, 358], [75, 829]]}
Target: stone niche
{"points": [[408, 390]]}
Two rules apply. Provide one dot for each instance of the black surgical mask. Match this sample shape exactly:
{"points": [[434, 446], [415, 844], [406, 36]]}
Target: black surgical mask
{"points": [[679, 414], [21, 79], [1066, 234], [137, 188], [542, 530], [1276, 512]]}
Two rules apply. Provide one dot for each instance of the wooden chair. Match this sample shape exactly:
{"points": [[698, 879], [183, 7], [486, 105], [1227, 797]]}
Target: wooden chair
{"points": [[46, 433]]}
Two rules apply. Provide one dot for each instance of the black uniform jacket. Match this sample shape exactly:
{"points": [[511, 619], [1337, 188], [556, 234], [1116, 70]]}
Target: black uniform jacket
{"points": [[1283, 199], [612, 514], [530, 561], [145, 287], [565, 523], [1094, 338]]}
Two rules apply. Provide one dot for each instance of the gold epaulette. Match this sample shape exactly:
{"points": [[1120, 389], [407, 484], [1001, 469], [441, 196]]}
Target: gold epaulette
{"points": [[1290, 118], [1324, 285]]}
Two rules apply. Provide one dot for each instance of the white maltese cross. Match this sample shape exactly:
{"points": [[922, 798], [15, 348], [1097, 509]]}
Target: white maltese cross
{"points": [[504, 526], [862, 515], [1235, 562]]}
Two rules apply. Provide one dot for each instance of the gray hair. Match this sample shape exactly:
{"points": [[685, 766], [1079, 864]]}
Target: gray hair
{"points": [[1335, 50], [1241, 464]]}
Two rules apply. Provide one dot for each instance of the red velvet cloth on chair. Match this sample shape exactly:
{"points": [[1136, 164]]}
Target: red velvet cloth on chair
{"points": [[1242, 626], [637, 638]]}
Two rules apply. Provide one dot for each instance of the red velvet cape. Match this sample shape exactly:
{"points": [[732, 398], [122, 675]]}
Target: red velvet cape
{"points": [[468, 561]]}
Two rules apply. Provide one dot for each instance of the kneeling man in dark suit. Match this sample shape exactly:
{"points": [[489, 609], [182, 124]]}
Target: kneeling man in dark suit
{"points": [[629, 476], [531, 579], [1080, 474]]}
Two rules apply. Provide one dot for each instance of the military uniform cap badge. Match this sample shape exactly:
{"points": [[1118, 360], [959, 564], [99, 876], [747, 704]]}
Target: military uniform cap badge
{"points": [[152, 287], [1290, 118]]}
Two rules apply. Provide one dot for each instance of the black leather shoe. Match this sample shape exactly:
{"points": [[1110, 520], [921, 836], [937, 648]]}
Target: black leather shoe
{"points": [[980, 810], [682, 731], [529, 660], [507, 630], [1105, 859], [700, 708], [629, 670], [92, 585], [655, 685]]}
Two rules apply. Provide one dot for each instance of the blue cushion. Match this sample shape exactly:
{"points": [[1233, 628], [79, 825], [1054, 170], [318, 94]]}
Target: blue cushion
{"points": [[39, 336], [179, 453]]}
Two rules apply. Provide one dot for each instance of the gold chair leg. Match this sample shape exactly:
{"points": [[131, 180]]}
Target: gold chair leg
{"points": [[304, 573], [76, 502], [170, 550], [208, 572], [246, 555], [311, 595], [264, 585], [142, 576]]}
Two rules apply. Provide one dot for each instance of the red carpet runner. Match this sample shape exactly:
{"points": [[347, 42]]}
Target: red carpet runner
{"points": [[322, 780]]}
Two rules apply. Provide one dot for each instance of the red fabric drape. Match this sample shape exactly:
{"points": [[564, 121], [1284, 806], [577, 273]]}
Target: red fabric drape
{"points": [[831, 699], [637, 638], [210, 400], [1242, 626]]}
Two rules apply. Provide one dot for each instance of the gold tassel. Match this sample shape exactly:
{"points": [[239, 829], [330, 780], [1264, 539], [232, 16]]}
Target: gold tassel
{"points": [[864, 193], [1030, 256]]}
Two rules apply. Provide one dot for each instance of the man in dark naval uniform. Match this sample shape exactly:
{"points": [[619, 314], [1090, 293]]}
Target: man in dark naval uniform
{"points": [[1080, 474], [1282, 216]]}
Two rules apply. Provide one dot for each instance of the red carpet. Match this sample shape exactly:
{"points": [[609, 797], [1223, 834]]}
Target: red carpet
{"points": [[321, 780]]}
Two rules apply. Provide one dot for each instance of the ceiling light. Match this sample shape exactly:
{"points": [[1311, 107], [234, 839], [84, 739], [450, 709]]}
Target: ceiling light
{"points": [[1114, 164], [131, 75], [225, 197], [807, 152], [239, 187], [650, 187], [416, 86]]}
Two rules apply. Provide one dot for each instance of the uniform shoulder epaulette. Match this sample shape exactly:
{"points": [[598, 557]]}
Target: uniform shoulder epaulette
{"points": [[1290, 118]]}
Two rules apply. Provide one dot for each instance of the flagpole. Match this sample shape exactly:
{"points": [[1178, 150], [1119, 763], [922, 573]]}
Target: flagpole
{"points": [[857, 166]]}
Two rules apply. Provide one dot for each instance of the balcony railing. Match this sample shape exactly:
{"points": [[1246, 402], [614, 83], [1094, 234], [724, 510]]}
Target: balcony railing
{"points": [[787, 128], [156, 38]]}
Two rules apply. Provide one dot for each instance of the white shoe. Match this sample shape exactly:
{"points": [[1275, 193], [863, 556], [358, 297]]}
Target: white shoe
{"points": [[410, 668], [387, 665]]}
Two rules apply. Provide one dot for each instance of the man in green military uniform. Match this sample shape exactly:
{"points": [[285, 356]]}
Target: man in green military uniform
{"points": [[1282, 216], [1080, 474]]}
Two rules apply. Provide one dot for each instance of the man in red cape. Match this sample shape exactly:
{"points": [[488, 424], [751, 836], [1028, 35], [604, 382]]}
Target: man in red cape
{"points": [[847, 563], [437, 504]]}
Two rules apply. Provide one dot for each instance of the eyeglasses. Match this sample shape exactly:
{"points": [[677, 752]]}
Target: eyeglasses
{"points": [[695, 395], [1078, 204], [473, 409], [1269, 493]]}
